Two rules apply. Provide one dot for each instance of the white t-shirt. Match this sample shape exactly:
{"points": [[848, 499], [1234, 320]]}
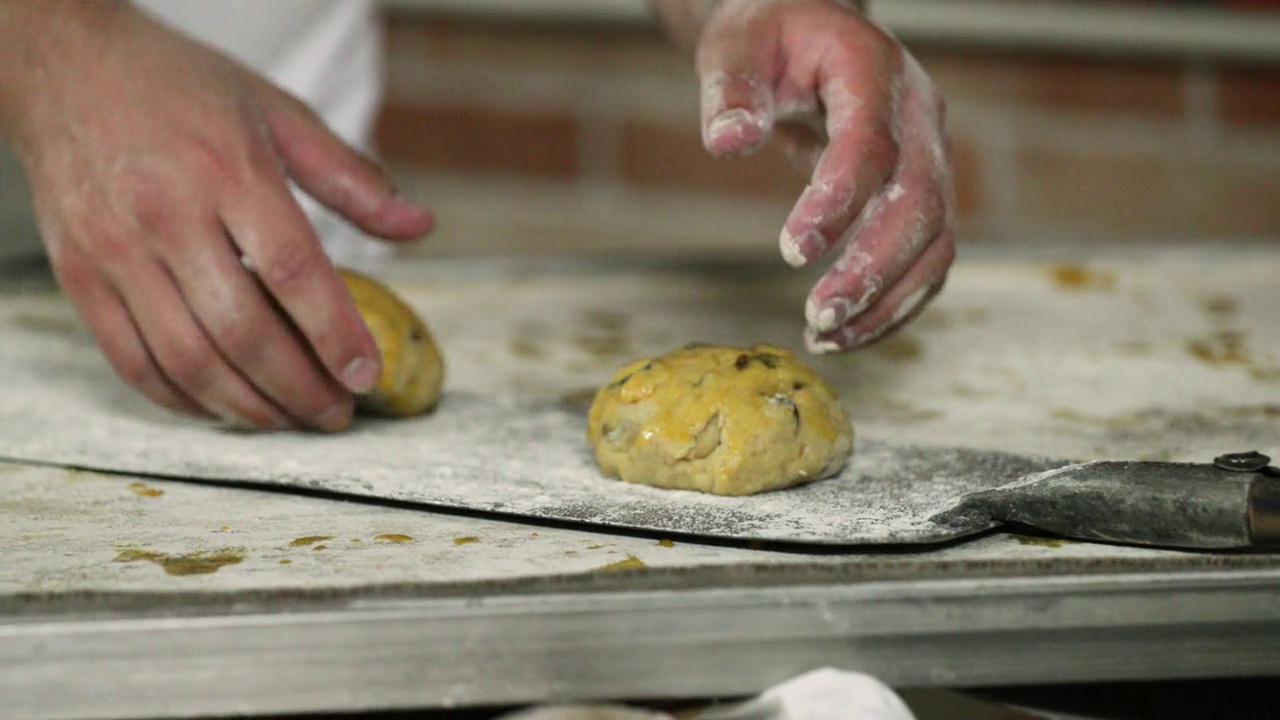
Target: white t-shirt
{"points": [[328, 53]]}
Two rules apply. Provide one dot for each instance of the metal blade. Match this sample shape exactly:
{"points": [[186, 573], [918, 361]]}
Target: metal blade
{"points": [[1185, 505]]}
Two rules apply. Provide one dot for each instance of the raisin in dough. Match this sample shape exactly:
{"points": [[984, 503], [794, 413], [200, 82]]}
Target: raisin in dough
{"points": [[412, 369], [721, 420]]}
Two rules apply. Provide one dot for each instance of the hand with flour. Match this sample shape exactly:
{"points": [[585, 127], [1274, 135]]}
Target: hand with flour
{"points": [[857, 111], [160, 173]]}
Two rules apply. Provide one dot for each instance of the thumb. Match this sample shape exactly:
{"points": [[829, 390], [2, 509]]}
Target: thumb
{"points": [[737, 65], [337, 175]]}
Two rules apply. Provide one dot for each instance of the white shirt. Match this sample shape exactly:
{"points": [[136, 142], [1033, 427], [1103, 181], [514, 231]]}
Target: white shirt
{"points": [[327, 53]]}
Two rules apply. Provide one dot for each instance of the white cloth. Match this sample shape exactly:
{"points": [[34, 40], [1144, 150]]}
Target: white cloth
{"points": [[328, 53], [825, 694]]}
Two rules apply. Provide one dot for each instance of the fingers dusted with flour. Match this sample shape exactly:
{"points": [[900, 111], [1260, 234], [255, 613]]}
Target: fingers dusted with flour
{"points": [[896, 305], [906, 223], [857, 112], [738, 69]]}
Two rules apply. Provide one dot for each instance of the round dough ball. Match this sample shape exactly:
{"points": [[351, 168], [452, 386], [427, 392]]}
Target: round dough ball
{"points": [[721, 420], [412, 369]]}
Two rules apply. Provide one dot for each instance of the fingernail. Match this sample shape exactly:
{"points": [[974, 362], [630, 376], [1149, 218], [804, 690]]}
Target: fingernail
{"points": [[869, 293], [819, 345], [800, 251], [361, 375], [828, 316], [400, 203], [400, 210], [855, 341], [734, 122], [910, 304], [791, 254], [336, 418], [726, 120]]}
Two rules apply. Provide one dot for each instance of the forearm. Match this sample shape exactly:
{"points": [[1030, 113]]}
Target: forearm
{"points": [[35, 37], [683, 20]]}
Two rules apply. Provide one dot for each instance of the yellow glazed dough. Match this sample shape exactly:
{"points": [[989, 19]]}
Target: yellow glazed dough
{"points": [[412, 369], [721, 420]]}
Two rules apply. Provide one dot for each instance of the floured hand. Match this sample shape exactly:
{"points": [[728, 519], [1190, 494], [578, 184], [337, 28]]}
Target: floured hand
{"points": [[858, 112], [160, 174]]}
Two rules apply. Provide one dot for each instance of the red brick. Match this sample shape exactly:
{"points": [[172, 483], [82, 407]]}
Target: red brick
{"points": [[479, 139], [1120, 195], [1061, 83], [1249, 97], [972, 76], [1155, 90], [540, 46], [662, 156], [967, 163]]}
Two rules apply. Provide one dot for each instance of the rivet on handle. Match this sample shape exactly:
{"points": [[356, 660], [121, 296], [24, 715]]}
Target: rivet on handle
{"points": [[1248, 462]]}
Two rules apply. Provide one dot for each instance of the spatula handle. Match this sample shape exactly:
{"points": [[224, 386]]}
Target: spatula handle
{"points": [[1264, 510]]}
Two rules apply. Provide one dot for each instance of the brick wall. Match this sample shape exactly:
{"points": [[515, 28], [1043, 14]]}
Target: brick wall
{"points": [[1051, 147]]}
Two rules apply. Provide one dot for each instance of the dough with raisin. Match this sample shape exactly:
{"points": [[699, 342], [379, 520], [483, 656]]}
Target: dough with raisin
{"points": [[721, 420], [412, 368]]}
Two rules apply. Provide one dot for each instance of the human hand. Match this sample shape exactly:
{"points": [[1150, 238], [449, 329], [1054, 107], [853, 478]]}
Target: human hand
{"points": [[159, 172], [860, 114]]}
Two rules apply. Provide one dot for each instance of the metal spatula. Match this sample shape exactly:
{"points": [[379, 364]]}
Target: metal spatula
{"points": [[1233, 502]]}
